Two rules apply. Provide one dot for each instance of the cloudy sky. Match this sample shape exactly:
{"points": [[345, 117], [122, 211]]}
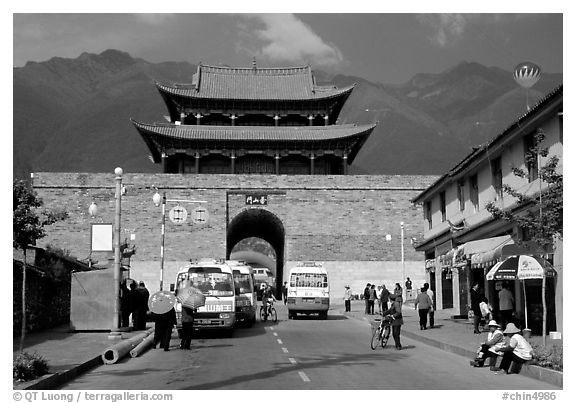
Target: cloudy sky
{"points": [[379, 46]]}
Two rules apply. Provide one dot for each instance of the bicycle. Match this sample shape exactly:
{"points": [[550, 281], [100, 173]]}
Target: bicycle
{"points": [[268, 310], [381, 333]]}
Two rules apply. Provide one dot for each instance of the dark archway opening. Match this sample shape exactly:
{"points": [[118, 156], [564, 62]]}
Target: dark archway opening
{"points": [[259, 223]]}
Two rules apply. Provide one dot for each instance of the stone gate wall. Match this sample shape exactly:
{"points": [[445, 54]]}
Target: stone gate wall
{"points": [[341, 220]]}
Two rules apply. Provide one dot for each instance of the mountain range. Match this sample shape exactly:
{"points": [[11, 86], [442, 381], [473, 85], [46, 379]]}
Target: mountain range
{"points": [[73, 115]]}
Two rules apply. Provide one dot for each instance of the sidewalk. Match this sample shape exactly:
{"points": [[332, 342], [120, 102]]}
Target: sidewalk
{"points": [[68, 354], [452, 335]]}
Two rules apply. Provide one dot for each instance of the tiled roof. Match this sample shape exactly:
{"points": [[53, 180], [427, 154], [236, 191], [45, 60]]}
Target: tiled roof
{"points": [[212, 82], [159, 134], [255, 133]]}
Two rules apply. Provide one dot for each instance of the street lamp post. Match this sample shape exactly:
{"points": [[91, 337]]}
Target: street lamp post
{"points": [[402, 253], [157, 199], [161, 200], [117, 258]]}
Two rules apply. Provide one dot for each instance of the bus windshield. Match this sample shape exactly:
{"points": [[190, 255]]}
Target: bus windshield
{"points": [[242, 281], [211, 281], [315, 280]]}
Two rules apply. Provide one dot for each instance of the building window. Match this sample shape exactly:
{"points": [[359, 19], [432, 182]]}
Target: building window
{"points": [[531, 157], [496, 165], [428, 213], [474, 192], [443, 205], [460, 192]]}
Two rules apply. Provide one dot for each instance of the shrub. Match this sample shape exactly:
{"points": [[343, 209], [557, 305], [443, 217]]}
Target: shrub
{"points": [[27, 366], [548, 357]]}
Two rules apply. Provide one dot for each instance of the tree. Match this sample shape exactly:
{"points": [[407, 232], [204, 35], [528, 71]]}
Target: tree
{"points": [[28, 222], [540, 215]]}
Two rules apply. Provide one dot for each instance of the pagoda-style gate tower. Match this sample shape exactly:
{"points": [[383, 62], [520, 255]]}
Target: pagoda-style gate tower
{"points": [[254, 121]]}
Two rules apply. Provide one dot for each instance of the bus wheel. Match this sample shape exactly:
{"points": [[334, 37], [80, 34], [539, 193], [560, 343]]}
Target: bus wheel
{"points": [[323, 315], [290, 315]]}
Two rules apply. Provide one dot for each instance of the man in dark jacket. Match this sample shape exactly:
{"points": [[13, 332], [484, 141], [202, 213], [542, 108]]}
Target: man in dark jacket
{"points": [[141, 306], [367, 298], [475, 298], [384, 297], [163, 325], [187, 327]]}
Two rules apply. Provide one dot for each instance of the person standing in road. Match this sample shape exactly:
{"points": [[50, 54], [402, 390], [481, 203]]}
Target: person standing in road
{"points": [[431, 312], [506, 304], [163, 324], [398, 290], [347, 298], [373, 297], [285, 291], [396, 311], [384, 297], [187, 327], [408, 285], [423, 304], [367, 298]]}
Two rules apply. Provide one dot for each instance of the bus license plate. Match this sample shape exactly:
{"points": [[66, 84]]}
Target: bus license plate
{"points": [[309, 300]]}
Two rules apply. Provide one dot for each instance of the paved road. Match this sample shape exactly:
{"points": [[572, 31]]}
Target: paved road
{"points": [[301, 354]]}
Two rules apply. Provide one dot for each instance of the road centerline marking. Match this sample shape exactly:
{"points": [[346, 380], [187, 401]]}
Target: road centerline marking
{"points": [[279, 341], [292, 360], [285, 350], [275, 334], [303, 376]]}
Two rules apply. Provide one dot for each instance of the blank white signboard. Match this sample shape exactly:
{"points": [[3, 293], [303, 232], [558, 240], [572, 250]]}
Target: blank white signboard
{"points": [[102, 238]]}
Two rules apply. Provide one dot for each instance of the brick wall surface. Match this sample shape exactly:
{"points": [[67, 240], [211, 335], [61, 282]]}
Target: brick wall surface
{"points": [[47, 300], [326, 218]]}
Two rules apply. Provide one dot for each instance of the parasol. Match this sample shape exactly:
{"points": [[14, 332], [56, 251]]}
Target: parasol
{"points": [[161, 302], [522, 267], [191, 297]]}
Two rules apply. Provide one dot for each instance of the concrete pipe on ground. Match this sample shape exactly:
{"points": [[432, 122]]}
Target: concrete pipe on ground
{"points": [[143, 346], [114, 353]]}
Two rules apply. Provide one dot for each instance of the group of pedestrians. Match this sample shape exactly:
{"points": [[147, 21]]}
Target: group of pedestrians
{"points": [[134, 303], [373, 296]]}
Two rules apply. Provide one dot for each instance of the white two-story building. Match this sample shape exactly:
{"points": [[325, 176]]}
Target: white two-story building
{"points": [[462, 240]]}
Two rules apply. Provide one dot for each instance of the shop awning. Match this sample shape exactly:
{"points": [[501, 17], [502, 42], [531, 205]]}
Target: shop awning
{"points": [[486, 252]]}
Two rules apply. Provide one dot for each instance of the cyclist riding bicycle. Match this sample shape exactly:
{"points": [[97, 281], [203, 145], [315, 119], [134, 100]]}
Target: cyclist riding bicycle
{"points": [[268, 299]]}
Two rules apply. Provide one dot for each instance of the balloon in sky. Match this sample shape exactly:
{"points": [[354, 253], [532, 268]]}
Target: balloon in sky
{"points": [[527, 74]]}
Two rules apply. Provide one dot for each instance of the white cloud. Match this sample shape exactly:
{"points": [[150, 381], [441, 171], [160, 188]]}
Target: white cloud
{"points": [[447, 27], [284, 38]]}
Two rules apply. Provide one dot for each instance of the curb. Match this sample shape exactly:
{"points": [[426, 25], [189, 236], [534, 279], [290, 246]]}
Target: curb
{"points": [[530, 371], [53, 381]]}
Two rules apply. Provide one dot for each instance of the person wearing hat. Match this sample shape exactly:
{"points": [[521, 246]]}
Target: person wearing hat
{"points": [[347, 297], [488, 349], [516, 350], [396, 311]]}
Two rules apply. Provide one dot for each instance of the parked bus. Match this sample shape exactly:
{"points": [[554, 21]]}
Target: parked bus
{"points": [[308, 290], [214, 278], [244, 291]]}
